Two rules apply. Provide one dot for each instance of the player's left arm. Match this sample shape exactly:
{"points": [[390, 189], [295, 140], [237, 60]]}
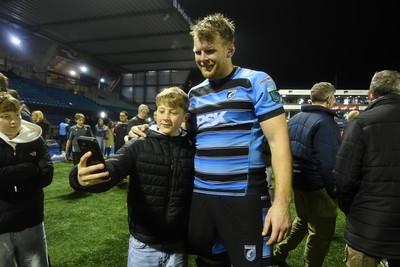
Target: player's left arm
{"points": [[278, 221]]}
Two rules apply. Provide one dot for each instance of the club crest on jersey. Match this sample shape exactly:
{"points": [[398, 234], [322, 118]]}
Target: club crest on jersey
{"points": [[231, 94], [276, 97], [274, 94], [250, 252]]}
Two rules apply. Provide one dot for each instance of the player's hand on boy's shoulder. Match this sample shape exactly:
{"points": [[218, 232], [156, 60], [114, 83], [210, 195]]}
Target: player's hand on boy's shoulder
{"points": [[137, 131]]}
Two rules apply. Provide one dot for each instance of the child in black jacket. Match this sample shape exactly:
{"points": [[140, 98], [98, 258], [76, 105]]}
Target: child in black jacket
{"points": [[25, 169], [161, 173]]}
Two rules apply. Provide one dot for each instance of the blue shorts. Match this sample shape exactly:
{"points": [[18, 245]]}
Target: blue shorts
{"points": [[230, 224]]}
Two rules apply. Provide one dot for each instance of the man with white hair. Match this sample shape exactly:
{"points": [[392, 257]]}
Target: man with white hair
{"points": [[367, 173]]}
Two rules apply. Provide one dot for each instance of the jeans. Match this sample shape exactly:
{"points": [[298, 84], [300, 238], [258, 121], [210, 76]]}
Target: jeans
{"points": [[27, 248], [156, 255]]}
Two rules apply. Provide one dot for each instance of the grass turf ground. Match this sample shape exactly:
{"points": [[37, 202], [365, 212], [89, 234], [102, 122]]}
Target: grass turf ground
{"points": [[91, 230]]}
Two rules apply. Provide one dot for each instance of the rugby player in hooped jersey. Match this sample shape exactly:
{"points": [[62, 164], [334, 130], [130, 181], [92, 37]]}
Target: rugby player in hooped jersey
{"points": [[232, 220]]}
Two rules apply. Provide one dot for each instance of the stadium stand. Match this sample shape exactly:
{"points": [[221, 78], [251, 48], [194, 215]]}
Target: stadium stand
{"points": [[60, 101]]}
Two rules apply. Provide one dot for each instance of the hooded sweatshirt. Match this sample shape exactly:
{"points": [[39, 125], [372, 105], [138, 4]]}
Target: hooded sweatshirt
{"points": [[25, 169]]}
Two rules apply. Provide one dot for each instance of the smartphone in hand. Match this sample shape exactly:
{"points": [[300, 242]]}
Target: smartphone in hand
{"points": [[86, 144]]}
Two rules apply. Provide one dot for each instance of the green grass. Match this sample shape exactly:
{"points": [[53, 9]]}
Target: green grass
{"points": [[91, 230], [83, 229]]}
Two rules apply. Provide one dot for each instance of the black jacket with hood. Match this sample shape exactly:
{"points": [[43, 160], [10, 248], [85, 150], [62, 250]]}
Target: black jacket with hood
{"points": [[161, 170], [25, 169]]}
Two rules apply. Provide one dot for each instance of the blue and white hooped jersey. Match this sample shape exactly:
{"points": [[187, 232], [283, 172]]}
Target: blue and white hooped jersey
{"points": [[226, 115]]}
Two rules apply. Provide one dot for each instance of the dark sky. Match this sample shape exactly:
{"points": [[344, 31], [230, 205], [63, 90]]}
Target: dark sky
{"points": [[300, 43]]}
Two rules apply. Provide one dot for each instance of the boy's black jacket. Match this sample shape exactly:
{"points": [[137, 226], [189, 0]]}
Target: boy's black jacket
{"points": [[161, 170]]}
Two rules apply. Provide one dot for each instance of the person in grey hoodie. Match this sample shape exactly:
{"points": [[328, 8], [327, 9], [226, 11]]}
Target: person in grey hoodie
{"points": [[25, 169]]}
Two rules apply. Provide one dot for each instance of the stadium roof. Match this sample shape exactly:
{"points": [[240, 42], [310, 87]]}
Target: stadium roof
{"points": [[136, 35]]}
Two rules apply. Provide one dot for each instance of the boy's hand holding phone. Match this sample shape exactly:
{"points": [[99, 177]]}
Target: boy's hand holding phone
{"points": [[93, 174], [91, 167]]}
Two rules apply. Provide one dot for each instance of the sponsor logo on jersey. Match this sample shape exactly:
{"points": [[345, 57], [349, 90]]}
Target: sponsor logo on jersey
{"points": [[212, 119], [266, 79]]}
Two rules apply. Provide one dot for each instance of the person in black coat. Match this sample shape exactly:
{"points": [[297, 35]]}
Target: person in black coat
{"points": [[140, 118], [121, 130], [39, 119], [367, 173], [161, 170]]}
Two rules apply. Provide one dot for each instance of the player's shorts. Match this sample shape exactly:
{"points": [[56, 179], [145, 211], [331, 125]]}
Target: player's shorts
{"points": [[220, 224]]}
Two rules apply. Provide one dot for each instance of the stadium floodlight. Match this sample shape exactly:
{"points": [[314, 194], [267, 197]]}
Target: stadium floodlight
{"points": [[15, 40], [83, 68]]}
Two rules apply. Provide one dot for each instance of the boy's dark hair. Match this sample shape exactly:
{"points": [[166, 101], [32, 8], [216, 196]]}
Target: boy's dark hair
{"points": [[9, 103]]}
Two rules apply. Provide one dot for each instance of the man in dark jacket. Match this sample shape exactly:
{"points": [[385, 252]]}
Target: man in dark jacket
{"points": [[120, 130], [315, 140], [140, 118], [161, 169], [367, 173]]}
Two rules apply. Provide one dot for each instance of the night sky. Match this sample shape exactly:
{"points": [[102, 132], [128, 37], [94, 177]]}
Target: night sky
{"points": [[300, 43]]}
